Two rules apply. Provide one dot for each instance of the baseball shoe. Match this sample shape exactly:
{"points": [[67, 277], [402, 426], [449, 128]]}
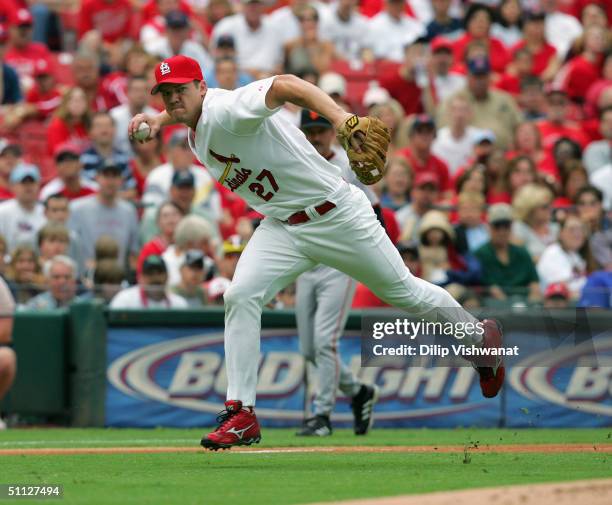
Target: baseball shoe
{"points": [[317, 426], [237, 426], [493, 372], [362, 405]]}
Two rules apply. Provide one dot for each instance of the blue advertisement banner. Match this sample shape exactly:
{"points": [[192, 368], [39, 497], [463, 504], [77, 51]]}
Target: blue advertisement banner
{"points": [[175, 377]]}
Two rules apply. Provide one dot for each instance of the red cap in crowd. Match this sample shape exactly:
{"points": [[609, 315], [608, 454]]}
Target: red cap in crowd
{"points": [[42, 66], [557, 289], [441, 44], [177, 70], [22, 17], [426, 177]]}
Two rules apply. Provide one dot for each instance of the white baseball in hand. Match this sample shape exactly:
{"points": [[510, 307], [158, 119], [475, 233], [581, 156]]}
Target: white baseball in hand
{"points": [[143, 132]]}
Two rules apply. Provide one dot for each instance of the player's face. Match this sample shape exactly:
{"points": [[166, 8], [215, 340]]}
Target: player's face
{"points": [[321, 138], [183, 101]]}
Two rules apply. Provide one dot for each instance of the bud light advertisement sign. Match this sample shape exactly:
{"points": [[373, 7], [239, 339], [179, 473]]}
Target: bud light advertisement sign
{"points": [[176, 377]]}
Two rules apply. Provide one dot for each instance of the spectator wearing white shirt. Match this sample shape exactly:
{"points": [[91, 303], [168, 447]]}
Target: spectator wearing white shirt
{"points": [[21, 217], [258, 44], [151, 292], [8, 358], [561, 29], [137, 102], [392, 30], [286, 23], [180, 159], [602, 179], [445, 83], [193, 232], [563, 261], [598, 154], [454, 143], [345, 28], [177, 41]]}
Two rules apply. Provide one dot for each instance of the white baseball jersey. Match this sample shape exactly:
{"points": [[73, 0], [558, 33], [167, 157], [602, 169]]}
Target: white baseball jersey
{"points": [[268, 161], [340, 159]]}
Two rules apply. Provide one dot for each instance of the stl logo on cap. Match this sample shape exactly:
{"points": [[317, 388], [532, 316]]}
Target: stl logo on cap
{"points": [[164, 68]]}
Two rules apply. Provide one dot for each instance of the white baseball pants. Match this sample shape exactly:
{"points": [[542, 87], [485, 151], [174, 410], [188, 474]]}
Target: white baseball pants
{"points": [[349, 238]]}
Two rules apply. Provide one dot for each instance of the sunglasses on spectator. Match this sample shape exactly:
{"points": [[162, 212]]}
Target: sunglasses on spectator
{"points": [[502, 225]]}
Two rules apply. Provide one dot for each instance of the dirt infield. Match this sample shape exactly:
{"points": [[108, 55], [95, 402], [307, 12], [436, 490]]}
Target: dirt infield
{"points": [[591, 492], [511, 448]]}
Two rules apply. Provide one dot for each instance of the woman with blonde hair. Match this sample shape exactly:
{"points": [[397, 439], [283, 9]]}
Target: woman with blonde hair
{"points": [[71, 120], [24, 275], [532, 227]]}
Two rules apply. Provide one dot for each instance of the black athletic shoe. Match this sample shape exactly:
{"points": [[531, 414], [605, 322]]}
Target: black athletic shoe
{"points": [[317, 426], [362, 405]]}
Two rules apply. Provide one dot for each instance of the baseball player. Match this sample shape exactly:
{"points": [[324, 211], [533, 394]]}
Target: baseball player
{"points": [[312, 216], [323, 301]]}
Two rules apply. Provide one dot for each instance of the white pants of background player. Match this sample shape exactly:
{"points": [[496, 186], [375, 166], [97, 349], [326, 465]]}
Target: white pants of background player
{"points": [[349, 238], [323, 301]]}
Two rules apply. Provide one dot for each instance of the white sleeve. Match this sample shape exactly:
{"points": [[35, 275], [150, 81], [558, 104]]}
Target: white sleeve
{"points": [[243, 110]]}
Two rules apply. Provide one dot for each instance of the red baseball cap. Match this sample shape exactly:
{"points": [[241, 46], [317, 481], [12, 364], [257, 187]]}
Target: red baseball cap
{"points": [[42, 66], [22, 17], [557, 289], [441, 44], [177, 70], [426, 177]]}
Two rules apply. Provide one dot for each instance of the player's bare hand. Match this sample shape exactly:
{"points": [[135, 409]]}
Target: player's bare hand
{"points": [[137, 120]]}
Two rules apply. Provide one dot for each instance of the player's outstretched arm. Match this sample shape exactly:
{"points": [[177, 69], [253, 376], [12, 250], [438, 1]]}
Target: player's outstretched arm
{"points": [[289, 88], [155, 122]]}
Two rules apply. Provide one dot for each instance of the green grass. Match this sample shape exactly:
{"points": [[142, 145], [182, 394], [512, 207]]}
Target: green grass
{"points": [[283, 479]]}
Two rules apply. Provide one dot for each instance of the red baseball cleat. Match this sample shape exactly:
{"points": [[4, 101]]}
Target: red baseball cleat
{"points": [[237, 426], [493, 372]]}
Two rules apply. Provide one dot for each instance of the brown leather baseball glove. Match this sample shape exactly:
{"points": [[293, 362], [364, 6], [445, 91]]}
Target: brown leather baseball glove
{"points": [[366, 140]]}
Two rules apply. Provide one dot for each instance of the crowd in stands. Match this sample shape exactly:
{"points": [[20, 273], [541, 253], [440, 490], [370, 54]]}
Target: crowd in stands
{"points": [[499, 177]]}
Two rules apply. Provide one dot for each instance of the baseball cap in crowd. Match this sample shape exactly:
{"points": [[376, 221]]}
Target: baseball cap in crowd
{"points": [[375, 95], [333, 84], [42, 67], [154, 264], [177, 19], [479, 65], [484, 136], [441, 44], [233, 245], [67, 150], [3, 34], [179, 138], [24, 171], [22, 17], [499, 213], [109, 165], [426, 178], [194, 258], [422, 121], [177, 70], [557, 290], [533, 15], [226, 41], [310, 118], [183, 179]]}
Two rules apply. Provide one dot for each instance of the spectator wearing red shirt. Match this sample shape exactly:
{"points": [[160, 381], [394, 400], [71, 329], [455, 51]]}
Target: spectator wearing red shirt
{"points": [[545, 62], [69, 181], [168, 217], [86, 73], [557, 124], [44, 96], [23, 54], [109, 18], [70, 121], [510, 80], [478, 20], [419, 156], [401, 83], [580, 72]]}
